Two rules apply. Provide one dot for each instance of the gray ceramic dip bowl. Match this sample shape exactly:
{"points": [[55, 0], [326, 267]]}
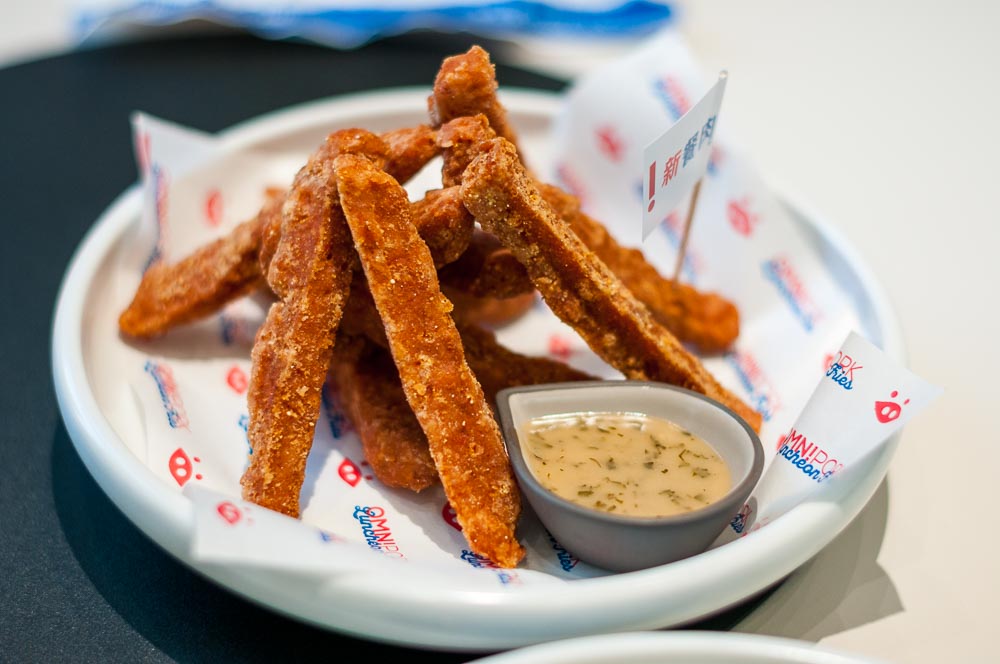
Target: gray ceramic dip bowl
{"points": [[626, 543]]}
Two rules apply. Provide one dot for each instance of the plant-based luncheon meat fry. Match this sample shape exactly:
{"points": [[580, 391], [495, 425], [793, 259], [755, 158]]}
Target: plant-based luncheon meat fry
{"points": [[311, 274], [577, 286], [464, 438]]}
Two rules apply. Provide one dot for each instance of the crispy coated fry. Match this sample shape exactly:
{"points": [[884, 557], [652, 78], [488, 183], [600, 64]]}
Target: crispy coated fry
{"points": [[707, 321], [497, 367], [393, 442], [448, 401], [466, 84], [201, 283], [487, 269], [490, 312], [443, 223], [214, 275], [311, 273], [461, 140], [409, 151], [576, 285]]}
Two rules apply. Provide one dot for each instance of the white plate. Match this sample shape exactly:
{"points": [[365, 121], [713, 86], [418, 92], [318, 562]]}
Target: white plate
{"points": [[412, 608], [692, 647]]}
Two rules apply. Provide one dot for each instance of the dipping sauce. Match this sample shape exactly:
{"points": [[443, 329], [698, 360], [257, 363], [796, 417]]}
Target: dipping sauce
{"points": [[624, 463]]}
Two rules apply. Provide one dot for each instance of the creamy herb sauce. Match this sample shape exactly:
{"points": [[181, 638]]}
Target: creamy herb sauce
{"points": [[625, 463]]}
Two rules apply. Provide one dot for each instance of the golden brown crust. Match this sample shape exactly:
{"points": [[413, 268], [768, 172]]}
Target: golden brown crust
{"points": [[497, 367], [440, 387], [461, 140], [311, 273], [487, 269], [201, 283], [231, 267], [578, 287], [466, 84], [707, 321], [444, 223], [410, 149], [490, 312], [394, 444]]}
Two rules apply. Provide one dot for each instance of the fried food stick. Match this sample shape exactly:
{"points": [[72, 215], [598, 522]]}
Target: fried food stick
{"points": [[443, 223], [311, 274], [232, 266], [487, 269], [463, 437], [489, 312], [497, 367], [707, 321], [370, 391], [393, 442], [466, 85], [202, 282], [410, 149], [578, 287]]}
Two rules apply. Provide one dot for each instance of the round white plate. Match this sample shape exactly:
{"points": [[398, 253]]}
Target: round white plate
{"points": [[691, 647], [412, 608]]}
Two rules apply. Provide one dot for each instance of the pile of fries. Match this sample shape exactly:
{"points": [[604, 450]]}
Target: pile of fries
{"points": [[392, 299]]}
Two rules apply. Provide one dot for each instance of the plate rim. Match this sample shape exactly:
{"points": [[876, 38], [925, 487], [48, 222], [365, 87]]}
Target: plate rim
{"points": [[734, 646], [504, 618]]}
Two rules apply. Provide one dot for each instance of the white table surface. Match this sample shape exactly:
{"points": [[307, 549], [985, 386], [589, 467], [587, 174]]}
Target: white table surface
{"points": [[882, 116]]}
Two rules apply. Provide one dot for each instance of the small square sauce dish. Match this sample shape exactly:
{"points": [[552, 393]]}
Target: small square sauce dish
{"points": [[625, 474]]}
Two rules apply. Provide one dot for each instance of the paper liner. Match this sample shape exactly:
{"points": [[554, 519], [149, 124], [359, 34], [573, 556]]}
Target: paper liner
{"points": [[191, 384]]}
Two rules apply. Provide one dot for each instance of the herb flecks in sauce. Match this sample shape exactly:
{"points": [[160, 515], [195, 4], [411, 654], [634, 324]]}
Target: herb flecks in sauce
{"points": [[635, 477]]}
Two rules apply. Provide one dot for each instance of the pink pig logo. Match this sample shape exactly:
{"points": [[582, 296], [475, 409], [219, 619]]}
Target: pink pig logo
{"points": [[349, 472], [179, 466], [887, 411], [230, 512]]}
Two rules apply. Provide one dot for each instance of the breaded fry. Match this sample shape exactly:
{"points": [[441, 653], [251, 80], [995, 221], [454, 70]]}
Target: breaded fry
{"points": [[463, 437], [201, 283], [466, 84], [461, 140], [361, 318], [370, 392], [578, 287], [409, 150], [490, 312], [311, 274], [443, 223], [707, 321], [487, 269], [270, 235], [497, 367], [231, 267]]}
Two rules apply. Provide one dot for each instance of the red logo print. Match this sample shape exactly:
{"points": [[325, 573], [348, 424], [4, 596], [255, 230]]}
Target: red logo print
{"points": [[213, 207], [450, 517], [237, 380], [609, 142], [740, 217], [887, 411], [230, 512], [180, 467], [349, 472], [781, 441], [559, 347], [827, 361]]}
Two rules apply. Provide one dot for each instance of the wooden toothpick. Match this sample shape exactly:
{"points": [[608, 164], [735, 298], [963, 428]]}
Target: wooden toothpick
{"points": [[687, 230]]}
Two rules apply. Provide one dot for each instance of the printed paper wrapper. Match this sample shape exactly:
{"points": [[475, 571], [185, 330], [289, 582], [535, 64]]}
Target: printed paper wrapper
{"points": [[190, 385], [351, 23]]}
